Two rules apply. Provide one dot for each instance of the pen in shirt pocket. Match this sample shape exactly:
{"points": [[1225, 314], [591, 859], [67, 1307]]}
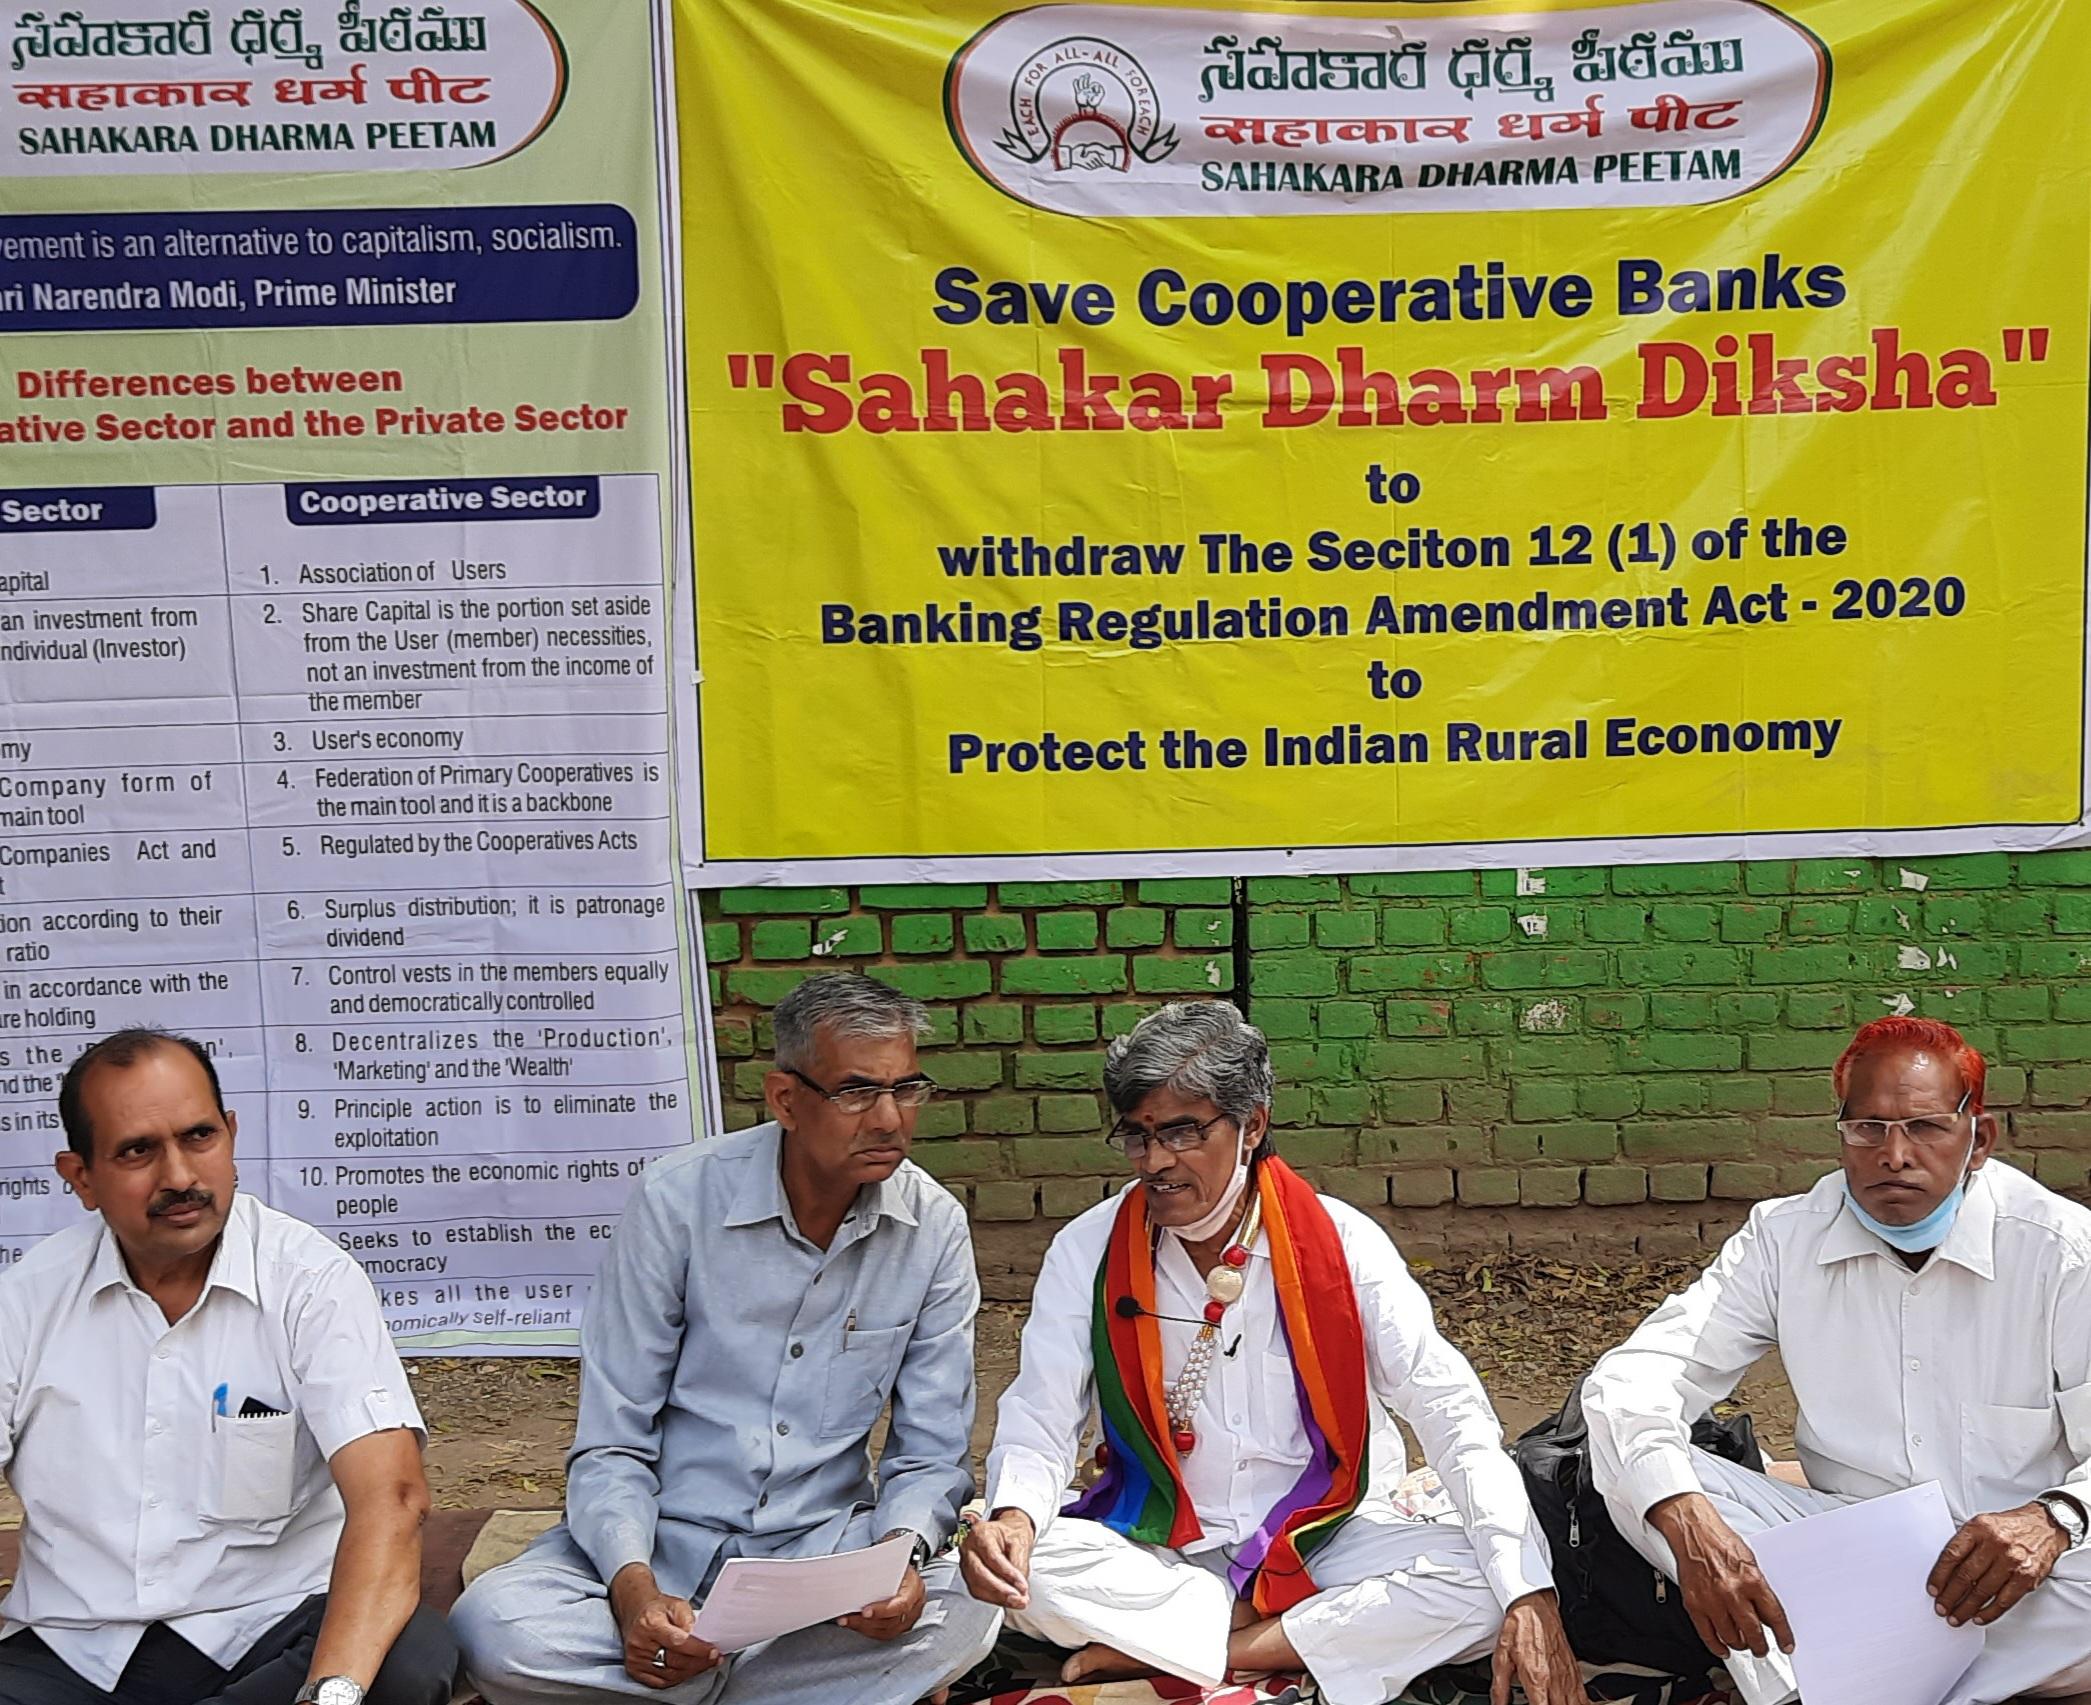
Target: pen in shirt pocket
{"points": [[218, 1398], [849, 1326]]}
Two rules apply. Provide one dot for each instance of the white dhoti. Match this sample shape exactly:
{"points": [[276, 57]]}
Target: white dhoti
{"points": [[1394, 1597], [2040, 1647], [1397, 1597]]}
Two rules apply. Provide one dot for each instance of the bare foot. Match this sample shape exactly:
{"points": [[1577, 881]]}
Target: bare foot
{"points": [[1102, 1663]]}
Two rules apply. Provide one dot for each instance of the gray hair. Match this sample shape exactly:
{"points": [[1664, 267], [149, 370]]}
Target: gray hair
{"points": [[842, 1003], [1204, 1049]]}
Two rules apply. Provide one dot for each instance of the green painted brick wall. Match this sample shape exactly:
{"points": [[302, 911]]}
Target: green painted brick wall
{"points": [[1025, 982], [1499, 1039]]}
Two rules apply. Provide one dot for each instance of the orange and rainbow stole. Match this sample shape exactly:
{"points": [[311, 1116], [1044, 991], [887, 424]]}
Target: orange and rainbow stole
{"points": [[1141, 1492]]}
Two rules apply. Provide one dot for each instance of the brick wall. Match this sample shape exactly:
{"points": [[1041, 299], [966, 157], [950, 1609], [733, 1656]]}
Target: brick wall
{"points": [[1025, 986], [1473, 1053]]}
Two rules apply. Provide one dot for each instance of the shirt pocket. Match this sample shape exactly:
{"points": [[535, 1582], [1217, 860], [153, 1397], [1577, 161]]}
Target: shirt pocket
{"points": [[250, 1473], [859, 1379], [1274, 1408], [2009, 1454]]}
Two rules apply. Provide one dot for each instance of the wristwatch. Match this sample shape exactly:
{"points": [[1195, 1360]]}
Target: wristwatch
{"points": [[2064, 1511], [920, 1557], [329, 1690]]}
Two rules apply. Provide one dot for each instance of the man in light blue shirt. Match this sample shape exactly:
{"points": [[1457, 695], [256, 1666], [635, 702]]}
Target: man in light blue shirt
{"points": [[765, 1296]]}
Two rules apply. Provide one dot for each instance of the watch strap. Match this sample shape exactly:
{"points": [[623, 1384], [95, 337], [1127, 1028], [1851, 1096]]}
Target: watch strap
{"points": [[920, 1557], [2068, 1514]]}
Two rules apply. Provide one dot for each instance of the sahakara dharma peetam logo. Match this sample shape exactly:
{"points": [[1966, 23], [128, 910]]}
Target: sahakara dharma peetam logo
{"points": [[1105, 110], [188, 86], [1083, 104]]}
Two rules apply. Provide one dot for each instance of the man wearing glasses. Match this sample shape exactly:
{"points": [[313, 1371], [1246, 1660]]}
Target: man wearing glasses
{"points": [[1934, 1315], [1244, 1341], [764, 1298]]}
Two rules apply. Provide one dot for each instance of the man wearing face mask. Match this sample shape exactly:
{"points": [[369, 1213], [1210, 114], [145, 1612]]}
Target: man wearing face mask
{"points": [[1244, 1340], [1934, 1315]]}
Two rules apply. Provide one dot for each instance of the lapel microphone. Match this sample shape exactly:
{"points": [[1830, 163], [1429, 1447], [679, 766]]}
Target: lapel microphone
{"points": [[1129, 1308]]}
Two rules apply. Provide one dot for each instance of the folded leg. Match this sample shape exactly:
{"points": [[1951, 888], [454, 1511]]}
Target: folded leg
{"points": [[1090, 1585], [539, 1630], [32, 1674], [824, 1665], [420, 1668], [2040, 1647], [1397, 1598], [1748, 1502]]}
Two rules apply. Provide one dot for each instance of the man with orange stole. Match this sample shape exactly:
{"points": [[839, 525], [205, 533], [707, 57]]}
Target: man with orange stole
{"points": [[1245, 1342]]}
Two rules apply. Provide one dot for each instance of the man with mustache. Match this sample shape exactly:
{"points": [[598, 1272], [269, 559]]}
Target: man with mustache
{"points": [[1247, 1342], [214, 1443], [1934, 1314], [766, 1294]]}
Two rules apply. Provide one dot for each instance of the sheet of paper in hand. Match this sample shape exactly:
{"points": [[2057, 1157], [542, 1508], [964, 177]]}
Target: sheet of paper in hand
{"points": [[1852, 1582], [757, 1598]]}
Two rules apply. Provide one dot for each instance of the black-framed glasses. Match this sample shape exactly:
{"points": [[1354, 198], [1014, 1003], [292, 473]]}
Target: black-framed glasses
{"points": [[1926, 1130], [1176, 1136], [863, 1097]]}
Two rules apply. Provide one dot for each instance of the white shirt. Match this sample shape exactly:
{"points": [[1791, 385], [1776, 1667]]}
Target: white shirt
{"points": [[1974, 1370], [141, 1502], [1252, 1445]]}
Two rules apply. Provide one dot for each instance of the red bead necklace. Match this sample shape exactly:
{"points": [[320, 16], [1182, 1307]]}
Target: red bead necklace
{"points": [[1223, 1288]]}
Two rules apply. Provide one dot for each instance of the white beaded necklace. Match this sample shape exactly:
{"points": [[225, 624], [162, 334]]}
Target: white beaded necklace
{"points": [[1223, 1286]]}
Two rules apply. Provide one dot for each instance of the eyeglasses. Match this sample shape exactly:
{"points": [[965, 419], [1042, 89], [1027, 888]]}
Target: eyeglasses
{"points": [[1924, 1129], [1132, 1142], [863, 1097]]}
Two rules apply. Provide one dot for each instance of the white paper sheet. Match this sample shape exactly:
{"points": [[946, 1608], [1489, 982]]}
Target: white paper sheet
{"points": [[756, 1599], [1852, 1581]]}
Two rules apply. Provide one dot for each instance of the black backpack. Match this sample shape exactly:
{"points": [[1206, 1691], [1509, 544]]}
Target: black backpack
{"points": [[1616, 1606]]}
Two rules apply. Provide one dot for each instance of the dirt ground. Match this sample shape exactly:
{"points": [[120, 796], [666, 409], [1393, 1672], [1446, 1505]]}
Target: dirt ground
{"points": [[498, 1429]]}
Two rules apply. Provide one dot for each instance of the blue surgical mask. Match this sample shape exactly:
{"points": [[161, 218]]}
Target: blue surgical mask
{"points": [[1928, 1232]]}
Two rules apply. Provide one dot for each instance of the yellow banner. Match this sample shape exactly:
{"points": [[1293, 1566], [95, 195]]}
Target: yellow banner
{"points": [[1370, 433]]}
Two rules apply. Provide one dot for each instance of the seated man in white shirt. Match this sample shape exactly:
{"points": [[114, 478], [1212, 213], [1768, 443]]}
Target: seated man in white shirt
{"points": [[1243, 1340], [1934, 1315], [217, 1454]]}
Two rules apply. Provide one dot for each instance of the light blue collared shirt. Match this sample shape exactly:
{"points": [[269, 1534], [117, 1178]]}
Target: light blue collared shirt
{"points": [[731, 1371]]}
